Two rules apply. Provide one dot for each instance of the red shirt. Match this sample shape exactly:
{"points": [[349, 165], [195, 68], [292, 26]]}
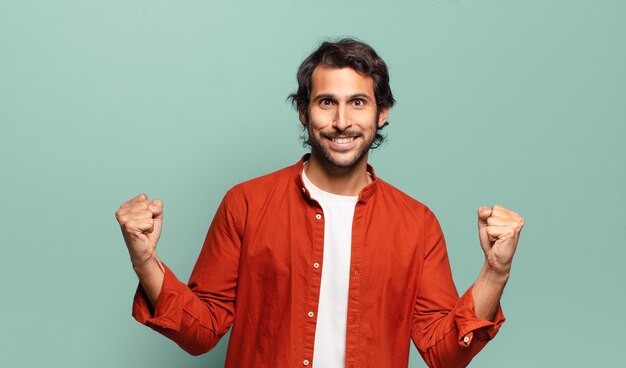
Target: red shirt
{"points": [[260, 270]]}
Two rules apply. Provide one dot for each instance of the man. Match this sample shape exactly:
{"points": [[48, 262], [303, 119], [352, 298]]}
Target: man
{"points": [[322, 263]]}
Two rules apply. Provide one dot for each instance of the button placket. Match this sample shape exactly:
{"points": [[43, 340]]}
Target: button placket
{"points": [[316, 216]]}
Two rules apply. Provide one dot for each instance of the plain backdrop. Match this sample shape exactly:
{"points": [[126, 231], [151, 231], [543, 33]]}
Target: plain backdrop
{"points": [[518, 103]]}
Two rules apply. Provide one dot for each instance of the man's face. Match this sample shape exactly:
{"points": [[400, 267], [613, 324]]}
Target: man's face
{"points": [[342, 116]]}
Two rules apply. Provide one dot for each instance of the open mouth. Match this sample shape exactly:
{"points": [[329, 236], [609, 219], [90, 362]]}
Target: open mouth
{"points": [[343, 139]]}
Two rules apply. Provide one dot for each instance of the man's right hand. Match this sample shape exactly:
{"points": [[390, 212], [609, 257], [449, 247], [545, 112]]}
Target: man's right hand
{"points": [[140, 221]]}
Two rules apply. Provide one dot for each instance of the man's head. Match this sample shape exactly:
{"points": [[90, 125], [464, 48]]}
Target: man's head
{"points": [[345, 53]]}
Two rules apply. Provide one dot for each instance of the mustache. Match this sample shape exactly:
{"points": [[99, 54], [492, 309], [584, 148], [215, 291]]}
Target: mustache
{"points": [[343, 134]]}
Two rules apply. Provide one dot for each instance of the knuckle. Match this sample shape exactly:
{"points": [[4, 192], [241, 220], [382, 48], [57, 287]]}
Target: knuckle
{"points": [[138, 207]]}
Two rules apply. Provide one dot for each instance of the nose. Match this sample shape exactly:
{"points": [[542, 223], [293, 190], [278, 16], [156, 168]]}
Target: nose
{"points": [[342, 120]]}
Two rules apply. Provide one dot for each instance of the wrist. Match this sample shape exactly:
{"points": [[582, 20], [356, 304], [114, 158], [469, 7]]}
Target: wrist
{"points": [[492, 275], [148, 266]]}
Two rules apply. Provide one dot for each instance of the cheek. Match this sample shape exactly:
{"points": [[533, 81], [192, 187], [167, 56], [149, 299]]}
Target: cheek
{"points": [[320, 118], [366, 119]]}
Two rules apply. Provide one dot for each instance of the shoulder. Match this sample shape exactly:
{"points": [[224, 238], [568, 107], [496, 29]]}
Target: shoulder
{"points": [[262, 186], [408, 210], [392, 196]]}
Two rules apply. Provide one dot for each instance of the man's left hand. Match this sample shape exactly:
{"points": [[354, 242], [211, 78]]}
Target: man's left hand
{"points": [[498, 230]]}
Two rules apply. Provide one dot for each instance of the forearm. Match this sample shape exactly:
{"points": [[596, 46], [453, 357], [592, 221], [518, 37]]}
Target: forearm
{"points": [[487, 291], [198, 329], [151, 274], [453, 339]]}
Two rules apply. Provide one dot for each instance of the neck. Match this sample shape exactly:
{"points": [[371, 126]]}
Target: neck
{"points": [[334, 179]]}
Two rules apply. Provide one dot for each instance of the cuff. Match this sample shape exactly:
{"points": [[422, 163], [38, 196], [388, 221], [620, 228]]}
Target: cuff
{"points": [[470, 326], [168, 310]]}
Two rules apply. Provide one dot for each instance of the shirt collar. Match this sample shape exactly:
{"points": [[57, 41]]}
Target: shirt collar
{"points": [[364, 195]]}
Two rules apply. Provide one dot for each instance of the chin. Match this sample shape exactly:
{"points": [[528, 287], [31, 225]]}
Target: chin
{"points": [[343, 160], [340, 159]]}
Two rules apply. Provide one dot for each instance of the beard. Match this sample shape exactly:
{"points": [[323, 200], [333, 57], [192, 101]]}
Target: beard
{"points": [[340, 159]]}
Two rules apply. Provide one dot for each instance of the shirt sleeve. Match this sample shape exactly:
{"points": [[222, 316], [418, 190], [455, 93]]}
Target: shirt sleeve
{"points": [[446, 330], [198, 314]]}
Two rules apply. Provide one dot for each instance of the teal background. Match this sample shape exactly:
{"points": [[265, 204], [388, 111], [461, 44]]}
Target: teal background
{"points": [[519, 103]]}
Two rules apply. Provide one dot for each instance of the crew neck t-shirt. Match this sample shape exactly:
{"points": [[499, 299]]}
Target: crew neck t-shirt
{"points": [[330, 333]]}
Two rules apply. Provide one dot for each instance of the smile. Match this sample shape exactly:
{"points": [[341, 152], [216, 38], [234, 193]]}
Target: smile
{"points": [[343, 140]]}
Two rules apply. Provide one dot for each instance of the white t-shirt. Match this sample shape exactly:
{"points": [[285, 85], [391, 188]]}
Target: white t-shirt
{"points": [[330, 333]]}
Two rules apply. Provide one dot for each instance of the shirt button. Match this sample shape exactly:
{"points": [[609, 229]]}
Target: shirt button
{"points": [[316, 265], [310, 314], [305, 362], [466, 339], [318, 217]]}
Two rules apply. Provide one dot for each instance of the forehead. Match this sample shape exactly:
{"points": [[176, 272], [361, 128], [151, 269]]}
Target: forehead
{"points": [[340, 81]]}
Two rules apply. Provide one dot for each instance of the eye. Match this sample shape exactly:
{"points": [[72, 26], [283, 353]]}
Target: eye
{"points": [[359, 102], [326, 102]]}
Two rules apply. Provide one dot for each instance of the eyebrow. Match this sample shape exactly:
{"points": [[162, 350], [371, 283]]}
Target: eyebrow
{"points": [[362, 95]]}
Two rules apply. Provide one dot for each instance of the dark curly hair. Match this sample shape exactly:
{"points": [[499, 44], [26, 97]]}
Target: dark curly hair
{"points": [[350, 53]]}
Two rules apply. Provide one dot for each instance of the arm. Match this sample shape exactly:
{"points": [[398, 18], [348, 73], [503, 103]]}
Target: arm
{"points": [[151, 275], [140, 221], [446, 330], [197, 315], [498, 231]]}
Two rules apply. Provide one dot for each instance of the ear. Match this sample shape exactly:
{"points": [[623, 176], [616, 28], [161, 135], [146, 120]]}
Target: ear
{"points": [[302, 116], [383, 113]]}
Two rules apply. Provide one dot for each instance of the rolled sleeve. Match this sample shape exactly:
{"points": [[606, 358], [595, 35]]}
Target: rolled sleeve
{"points": [[446, 330], [168, 311], [469, 326], [196, 315]]}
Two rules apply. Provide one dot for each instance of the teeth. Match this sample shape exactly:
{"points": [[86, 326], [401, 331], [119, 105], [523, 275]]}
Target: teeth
{"points": [[343, 140]]}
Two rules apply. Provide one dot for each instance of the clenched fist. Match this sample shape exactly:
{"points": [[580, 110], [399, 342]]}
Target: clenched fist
{"points": [[499, 230], [141, 220]]}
